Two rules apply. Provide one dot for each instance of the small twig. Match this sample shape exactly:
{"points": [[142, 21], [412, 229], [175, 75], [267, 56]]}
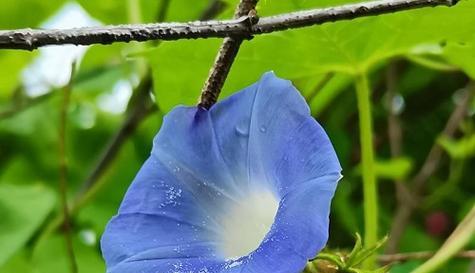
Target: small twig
{"points": [[63, 172], [429, 167], [30, 39], [320, 85], [224, 60], [421, 255]]}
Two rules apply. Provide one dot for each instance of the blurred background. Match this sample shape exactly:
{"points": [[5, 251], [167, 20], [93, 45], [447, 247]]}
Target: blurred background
{"points": [[419, 63]]}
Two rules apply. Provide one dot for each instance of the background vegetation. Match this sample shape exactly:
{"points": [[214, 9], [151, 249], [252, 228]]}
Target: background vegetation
{"points": [[419, 65]]}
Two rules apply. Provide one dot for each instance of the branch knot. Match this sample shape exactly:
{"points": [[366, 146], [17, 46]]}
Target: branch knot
{"points": [[248, 21]]}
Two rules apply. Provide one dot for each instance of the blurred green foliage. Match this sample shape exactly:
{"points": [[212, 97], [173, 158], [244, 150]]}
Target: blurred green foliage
{"points": [[432, 49]]}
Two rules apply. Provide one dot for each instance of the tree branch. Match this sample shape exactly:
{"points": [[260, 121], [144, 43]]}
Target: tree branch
{"points": [[225, 58], [30, 39]]}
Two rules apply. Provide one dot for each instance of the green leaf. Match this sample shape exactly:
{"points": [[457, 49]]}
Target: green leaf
{"points": [[362, 43], [22, 210], [366, 252], [19, 14], [18, 263], [181, 67], [50, 256], [396, 168], [179, 70], [349, 263], [462, 54], [461, 148], [11, 64], [356, 249], [117, 11]]}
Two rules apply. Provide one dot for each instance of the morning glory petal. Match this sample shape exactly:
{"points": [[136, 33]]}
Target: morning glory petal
{"points": [[244, 187], [157, 215]]}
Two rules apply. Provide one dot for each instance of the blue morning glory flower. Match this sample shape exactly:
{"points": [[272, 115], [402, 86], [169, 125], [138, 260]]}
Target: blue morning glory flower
{"points": [[243, 187]]}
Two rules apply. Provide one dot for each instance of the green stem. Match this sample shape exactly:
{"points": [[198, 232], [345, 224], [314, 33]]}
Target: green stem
{"points": [[369, 177]]}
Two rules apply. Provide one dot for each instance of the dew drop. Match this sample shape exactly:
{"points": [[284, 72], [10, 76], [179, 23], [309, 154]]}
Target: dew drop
{"points": [[242, 129], [263, 129]]}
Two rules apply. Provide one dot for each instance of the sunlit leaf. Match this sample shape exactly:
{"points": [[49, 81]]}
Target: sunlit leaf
{"points": [[462, 54], [347, 47]]}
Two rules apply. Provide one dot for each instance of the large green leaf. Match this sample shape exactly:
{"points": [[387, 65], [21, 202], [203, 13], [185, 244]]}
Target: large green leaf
{"points": [[351, 46], [462, 54], [22, 210], [180, 68]]}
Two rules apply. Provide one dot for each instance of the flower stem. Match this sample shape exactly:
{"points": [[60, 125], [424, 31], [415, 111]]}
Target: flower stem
{"points": [[369, 177]]}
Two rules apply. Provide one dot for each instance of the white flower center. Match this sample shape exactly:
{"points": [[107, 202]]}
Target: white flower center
{"points": [[247, 223]]}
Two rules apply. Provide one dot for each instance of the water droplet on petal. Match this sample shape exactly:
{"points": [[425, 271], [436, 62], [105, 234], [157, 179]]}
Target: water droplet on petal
{"points": [[263, 129], [242, 129]]}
